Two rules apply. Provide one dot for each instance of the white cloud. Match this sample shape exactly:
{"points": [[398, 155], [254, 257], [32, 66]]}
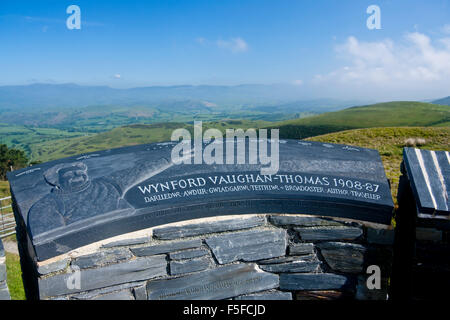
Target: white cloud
{"points": [[416, 63], [235, 45], [297, 82], [446, 29], [117, 76]]}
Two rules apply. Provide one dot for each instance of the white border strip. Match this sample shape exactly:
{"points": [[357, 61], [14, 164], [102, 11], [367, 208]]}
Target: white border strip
{"points": [[425, 175], [441, 176]]}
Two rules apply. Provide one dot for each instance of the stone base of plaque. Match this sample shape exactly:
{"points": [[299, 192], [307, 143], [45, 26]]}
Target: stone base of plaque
{"points": [[4, 292], [422, 252], [230, 257]]}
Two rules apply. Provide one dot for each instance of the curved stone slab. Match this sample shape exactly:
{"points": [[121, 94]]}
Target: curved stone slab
{"points": [[75, 201]]}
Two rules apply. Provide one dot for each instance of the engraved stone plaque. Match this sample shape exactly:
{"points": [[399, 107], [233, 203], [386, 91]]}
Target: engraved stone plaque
{"points": [[72, 202]]}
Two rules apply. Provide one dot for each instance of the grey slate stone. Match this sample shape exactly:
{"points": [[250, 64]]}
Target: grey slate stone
{"points": [[313, 281], [302, 221], [344, 257], [296, 266], [4, 294], [189, 254], [380, 236], [98, 292], [119, 295], [248, 245], [191, 265], [126, 242], [140, 293], [170, 233], [135, 270], [102, 258], [166, 247], [329, 233], [2, 272], [270, 295], [301, 248], [58, 298], [219, 283], [309, 257], [53, 267]]}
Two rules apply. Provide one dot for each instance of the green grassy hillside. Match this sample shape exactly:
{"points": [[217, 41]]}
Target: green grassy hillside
{"points": [[390, 142], [390, 114], [126, 136], [23, 137], [43, 144]]}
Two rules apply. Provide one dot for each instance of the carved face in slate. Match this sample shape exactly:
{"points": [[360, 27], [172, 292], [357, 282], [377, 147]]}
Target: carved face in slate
{"points": [[76, 197], [68, 177], [72, 178]]}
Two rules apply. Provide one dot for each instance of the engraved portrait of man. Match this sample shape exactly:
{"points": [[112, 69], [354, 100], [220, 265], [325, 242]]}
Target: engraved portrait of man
{"points": [[76, 197]]}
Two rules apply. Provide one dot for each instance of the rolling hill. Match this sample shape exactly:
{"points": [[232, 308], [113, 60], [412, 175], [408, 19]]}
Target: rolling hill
{"points": [[392, 114], [389, 114], [443, 101], [126, 136]]}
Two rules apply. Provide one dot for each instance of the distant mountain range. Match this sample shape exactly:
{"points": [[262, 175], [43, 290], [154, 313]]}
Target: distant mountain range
{"points": [[444, 101], [47, 96]]}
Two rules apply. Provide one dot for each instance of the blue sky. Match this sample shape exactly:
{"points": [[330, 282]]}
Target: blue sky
{"points": [[323, 47]]}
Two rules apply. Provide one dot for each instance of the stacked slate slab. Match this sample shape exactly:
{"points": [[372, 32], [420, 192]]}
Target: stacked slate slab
{"points": [[130, 224], [422, 265], [4, 292]]}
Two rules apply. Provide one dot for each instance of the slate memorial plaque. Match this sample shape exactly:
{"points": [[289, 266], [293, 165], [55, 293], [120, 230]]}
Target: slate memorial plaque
{"points": [[72, 202]]}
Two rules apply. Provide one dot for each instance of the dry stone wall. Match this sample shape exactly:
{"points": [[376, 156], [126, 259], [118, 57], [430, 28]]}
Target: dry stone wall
{"points": [[272, 257]]}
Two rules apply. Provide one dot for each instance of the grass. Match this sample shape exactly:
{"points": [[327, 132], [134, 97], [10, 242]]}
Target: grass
{"points": [[13, 268], [4, 189], [14, 275]]}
